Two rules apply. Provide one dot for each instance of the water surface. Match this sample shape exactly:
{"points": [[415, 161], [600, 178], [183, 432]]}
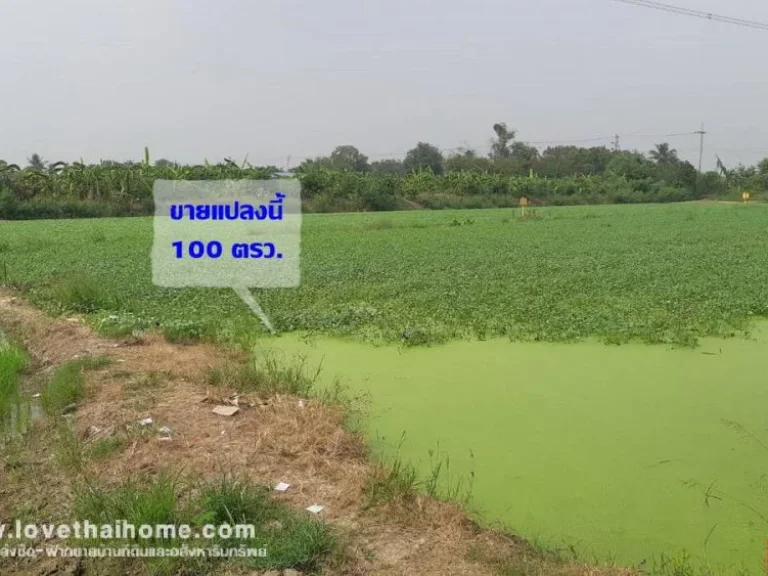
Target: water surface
{"points": [[625, 452]]}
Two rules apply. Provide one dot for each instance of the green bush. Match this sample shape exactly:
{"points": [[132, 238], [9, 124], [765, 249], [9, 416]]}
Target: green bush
{"points": [[109, 190]]}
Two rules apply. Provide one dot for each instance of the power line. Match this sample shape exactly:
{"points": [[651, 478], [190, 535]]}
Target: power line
{"points": [[612, 140], [576, 141], [637, 135], [696, 13]]}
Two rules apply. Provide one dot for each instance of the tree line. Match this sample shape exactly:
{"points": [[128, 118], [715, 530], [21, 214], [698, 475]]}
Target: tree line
{"points": [[510, 156], [425, 178]]}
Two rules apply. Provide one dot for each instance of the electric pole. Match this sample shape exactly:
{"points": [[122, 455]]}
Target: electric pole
{"points": [[701, 156], [616, 144], [701, 144]]}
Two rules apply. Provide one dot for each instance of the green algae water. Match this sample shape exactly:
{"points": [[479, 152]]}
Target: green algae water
{"points": [[622, 452]]}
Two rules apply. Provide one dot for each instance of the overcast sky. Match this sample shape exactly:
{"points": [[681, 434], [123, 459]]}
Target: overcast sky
{"points": [[198, 79]]}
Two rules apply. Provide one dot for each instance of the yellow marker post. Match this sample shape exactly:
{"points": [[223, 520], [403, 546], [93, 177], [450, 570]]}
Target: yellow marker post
{"points": [[523, 204], [745, 196]]}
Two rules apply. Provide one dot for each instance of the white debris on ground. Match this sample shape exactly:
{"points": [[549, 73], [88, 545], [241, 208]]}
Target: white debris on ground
{"points": [[226, 410]]}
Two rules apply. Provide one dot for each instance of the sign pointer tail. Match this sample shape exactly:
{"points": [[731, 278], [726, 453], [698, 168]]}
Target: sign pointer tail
{"points": [[247, 297]]}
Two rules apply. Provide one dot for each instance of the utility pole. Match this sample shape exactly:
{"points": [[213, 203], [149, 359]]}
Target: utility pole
{"points": [[616, 147], [701, 144], [701, 156]]}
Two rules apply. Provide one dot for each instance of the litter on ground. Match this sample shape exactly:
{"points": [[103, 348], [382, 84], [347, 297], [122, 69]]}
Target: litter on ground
{"points": [[226, 410]]}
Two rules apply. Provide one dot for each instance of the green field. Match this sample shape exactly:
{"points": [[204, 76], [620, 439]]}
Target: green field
{"points": [[654, 273], [631, 451]]}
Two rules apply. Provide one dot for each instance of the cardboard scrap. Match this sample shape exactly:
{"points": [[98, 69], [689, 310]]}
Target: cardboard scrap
{"points": [[226, 410]]}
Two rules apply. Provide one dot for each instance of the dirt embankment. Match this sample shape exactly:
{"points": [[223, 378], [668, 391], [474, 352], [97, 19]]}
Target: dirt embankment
{"points": [[270, 440]]}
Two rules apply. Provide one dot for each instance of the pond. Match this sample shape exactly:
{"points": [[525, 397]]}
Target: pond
{"points": [[621, 452]]}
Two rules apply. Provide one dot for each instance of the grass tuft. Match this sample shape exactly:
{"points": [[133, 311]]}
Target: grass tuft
{"points": [[266, 375], [68, 447], [189, 332], [291, 539], [12, 362], [105, 447], [81, 293], [395, 483], [67, 386]]}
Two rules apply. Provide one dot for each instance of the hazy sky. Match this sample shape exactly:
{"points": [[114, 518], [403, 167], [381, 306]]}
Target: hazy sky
{"points": [[100, 79]]}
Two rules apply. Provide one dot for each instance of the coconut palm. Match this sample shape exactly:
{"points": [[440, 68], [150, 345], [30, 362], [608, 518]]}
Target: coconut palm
{"points": [[36, 163], [663, 154]]}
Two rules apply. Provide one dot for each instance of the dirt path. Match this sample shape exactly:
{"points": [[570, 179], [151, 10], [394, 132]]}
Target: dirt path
{"points": [[270, 440]]}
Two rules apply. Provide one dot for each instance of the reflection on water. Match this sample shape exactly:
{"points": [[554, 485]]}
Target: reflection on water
{"points": [[24, 414], [19, 411]]}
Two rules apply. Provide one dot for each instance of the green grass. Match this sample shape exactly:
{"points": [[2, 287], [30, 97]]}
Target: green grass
{"points": [[658, 273], [12, 362], [105, 447], [80, 293], [67, 386], [68, 448], [189, 332], [395, 481], [266, 374], [292, 538]]}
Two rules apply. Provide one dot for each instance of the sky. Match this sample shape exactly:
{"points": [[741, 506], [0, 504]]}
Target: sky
{"points": [[273, 79]]}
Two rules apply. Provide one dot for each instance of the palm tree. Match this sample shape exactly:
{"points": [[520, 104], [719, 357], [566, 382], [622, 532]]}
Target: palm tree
{"points": [[36, 162], [663, 154]]}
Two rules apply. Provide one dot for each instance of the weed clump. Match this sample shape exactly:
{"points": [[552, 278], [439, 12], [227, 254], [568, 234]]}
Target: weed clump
{"points": [[12, 362], [189, 332], [81, 293], [67, 386], [231, 514], [266, 375]]}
